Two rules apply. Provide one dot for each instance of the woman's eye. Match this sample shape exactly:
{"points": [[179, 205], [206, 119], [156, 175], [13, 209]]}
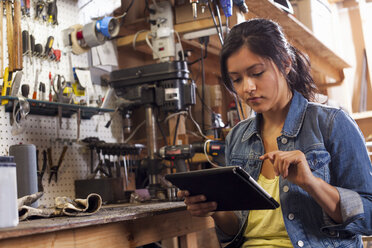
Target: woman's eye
{"points": [[257, 74], [236, 80]]}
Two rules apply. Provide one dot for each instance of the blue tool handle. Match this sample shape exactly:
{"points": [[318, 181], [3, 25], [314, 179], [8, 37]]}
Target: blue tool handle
{"points": [[227, 7]]}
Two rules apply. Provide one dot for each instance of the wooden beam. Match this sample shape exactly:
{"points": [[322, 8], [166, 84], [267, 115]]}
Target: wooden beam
{"points": [[298, 33], [365, 15], [180, 28], [132, 233]]}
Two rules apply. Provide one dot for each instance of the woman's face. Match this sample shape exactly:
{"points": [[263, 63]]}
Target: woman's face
{"points": [[258, 81]]}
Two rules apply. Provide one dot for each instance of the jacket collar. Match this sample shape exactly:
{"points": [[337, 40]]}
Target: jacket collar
{"points": [[293, 121]]}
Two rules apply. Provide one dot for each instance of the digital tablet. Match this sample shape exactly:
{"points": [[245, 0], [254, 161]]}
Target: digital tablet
{"points": [[231, 187]]}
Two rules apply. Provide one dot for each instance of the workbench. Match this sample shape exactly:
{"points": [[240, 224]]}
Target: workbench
{"points": [[126, 225]]}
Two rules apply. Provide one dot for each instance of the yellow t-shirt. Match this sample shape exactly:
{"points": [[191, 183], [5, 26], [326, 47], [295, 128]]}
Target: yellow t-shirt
{"points": [[266, 228]]}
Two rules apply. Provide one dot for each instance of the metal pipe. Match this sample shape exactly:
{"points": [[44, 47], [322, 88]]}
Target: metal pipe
{"points": [[150, 132]]}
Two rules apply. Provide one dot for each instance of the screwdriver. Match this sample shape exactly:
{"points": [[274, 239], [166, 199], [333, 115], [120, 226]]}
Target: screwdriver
{"points": [[34, 95], [50, 87], [48, 46]]}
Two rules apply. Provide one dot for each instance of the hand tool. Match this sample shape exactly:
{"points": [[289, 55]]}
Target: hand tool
{"points": [[48, 47], [34, 95], [17, 36], [25, 8], [42, 91], [39, 50], [39, 9], [25, 42], [58, 85], [32, 44], [7, 84], [25, 89], [1, 39], [50, 87], [41, 171], [16, 83], [52, 12], [57, 55], [9, 34], [55, 168], [78, 119]]}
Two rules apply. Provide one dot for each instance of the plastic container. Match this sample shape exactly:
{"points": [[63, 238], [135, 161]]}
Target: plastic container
{"points": [[25, 158], [8, 192]]}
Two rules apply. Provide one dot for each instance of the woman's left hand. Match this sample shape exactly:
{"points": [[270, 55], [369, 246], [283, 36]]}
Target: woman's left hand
{"points": [[291, 165]]}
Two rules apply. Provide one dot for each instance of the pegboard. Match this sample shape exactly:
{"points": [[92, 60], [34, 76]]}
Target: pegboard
{"points": [[44, 131]]}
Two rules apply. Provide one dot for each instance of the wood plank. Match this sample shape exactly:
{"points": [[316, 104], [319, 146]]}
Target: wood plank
{"points": [[365, 10], [298, 32], [107, 214], [132, 233], [180, 28]]}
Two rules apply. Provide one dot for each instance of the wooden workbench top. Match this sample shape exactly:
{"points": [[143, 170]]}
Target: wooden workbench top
{"points": [[107, 214]]}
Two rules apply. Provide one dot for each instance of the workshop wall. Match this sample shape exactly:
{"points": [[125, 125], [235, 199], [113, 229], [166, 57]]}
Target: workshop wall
{"points": [[44, 131]]}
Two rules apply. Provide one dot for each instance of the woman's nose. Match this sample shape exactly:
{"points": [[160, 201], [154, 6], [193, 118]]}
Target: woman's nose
{"points": [[249, 85]]}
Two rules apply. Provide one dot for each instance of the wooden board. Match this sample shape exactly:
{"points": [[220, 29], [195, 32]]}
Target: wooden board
{"points": [[132, 233]]}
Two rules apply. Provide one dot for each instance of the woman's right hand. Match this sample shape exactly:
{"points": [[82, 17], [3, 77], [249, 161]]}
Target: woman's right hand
{"points": [[197, 205]]}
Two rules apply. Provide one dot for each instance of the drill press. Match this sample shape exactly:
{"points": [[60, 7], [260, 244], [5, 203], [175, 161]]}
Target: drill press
{"points": [[166, 86]]}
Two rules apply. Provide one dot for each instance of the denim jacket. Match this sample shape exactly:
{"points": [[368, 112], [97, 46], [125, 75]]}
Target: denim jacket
{"points": [[335, 151]]}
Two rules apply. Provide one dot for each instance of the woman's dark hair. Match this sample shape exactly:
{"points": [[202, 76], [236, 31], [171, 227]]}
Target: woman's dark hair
{"points": [[265, 38]]}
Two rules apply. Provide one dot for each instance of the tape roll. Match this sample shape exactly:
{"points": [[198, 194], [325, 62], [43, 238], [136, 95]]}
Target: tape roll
{"points": [[108, 26], [91, 35], [76, 47]]}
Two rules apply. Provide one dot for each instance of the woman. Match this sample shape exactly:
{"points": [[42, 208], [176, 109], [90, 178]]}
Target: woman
{"points": [[311, 158]]}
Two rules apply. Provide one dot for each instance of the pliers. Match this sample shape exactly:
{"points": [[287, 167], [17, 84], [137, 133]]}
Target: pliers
{"points": [[40, 172], [54, 168]]}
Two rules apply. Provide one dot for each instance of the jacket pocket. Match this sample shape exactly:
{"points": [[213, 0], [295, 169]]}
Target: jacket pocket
{"points": [[318, 160]]}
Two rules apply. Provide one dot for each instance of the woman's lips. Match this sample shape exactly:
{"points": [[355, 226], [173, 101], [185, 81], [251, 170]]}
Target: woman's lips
{"points": [[254, 99]]}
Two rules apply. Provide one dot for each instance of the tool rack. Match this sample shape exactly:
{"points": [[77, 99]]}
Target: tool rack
{"points": [[41, 127], [47, 108]]}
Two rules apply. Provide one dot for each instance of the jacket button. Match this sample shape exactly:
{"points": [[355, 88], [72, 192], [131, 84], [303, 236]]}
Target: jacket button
{"points": [[284, 141], [300, 243], [290, 216], [285, 188]]}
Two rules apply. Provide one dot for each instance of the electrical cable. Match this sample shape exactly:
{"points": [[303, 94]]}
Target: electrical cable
{"points": [[215, 23], [203, 88], [206, 155], [176, 129], [161, 131], [219, 20], [175, 114], [209, 108], [152, 48], [136, 36], [125, 13], [227, 25], [134, 132], [205, 42], [197, 125], [179, 40]]}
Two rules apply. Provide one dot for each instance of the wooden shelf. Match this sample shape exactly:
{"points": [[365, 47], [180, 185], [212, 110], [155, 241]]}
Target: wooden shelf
{"points": [[362, 115], [323, 59]]}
